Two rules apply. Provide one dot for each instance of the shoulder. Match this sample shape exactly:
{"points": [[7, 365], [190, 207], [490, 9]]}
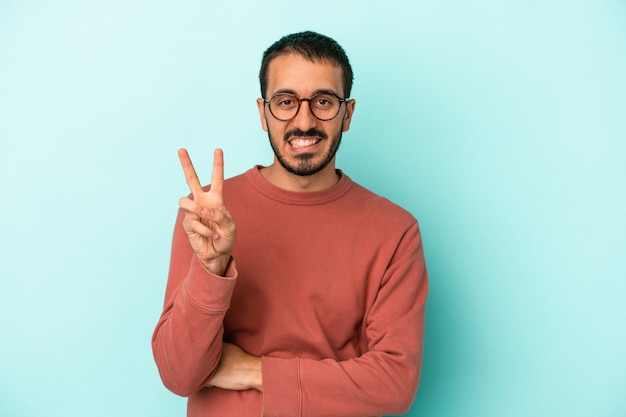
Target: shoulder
{"points": [[379, 209]]}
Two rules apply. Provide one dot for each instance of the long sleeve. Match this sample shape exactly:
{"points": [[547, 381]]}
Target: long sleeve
{"points": [[187, 340], [383, 380]]}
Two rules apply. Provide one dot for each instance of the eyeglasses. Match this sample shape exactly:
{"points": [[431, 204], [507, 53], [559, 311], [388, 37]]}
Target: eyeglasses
{"points": [[324, 106]]}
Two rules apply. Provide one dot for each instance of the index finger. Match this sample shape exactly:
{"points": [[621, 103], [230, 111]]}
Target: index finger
{"points": [[217, 179], [190, 173]]}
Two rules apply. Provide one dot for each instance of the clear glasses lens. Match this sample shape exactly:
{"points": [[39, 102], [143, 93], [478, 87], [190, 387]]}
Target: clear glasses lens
{"points": [[323, 106]]}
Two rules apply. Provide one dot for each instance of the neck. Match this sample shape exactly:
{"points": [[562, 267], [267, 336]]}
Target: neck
{"points": [[284, 179]]}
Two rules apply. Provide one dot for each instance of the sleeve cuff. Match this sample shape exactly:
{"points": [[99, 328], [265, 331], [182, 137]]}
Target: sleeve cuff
{"points": [[207, 290], [282, 391]]}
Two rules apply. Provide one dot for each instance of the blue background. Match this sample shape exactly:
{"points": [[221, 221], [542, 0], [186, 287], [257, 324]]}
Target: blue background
{"points": [[499, 124]]}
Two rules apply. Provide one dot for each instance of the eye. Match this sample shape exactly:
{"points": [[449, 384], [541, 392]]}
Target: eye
{"points": [[285, 101], [324, 101]]}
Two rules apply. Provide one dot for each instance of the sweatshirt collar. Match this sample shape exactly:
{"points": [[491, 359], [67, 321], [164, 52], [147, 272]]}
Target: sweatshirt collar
{"points": [[303, 198]]}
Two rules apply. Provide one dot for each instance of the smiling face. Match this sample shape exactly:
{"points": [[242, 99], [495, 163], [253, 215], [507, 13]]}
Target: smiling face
{"points": [[304, 146]]}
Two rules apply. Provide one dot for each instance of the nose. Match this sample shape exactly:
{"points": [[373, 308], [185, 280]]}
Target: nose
{"points": [[304, 120]]}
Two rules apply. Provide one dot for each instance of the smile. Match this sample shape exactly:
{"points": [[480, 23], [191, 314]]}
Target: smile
{"points": [[303, 142]]}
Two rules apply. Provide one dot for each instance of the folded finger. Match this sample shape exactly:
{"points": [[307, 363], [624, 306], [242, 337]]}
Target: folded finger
{"points": [[190, 206], [198, 227]]}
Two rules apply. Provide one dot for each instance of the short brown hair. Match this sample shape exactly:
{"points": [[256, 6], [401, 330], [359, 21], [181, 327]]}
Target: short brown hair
{"points": [[312, 46]]}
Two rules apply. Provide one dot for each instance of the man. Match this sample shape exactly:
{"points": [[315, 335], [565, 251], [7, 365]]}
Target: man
{"points": [[317, 307]]}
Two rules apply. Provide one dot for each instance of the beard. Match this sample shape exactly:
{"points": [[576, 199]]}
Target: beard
{"points": [[305, 163]]}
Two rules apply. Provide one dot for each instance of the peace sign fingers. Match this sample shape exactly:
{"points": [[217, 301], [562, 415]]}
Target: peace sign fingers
{"points": [[217, 181], [207, 222]]}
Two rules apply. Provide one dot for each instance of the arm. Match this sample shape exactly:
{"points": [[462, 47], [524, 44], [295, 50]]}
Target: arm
{"points": [[381, 381], [187, 341]]}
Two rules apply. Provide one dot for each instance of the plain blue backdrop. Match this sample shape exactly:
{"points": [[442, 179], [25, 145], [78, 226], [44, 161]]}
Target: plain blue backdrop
{"points": [[499, 124]]}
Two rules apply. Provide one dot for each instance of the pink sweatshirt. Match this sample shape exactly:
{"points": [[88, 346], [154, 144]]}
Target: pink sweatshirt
{"points": [[329, 288]]}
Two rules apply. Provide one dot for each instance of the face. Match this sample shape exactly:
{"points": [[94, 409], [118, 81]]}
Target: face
{"points": [[304, 145]]}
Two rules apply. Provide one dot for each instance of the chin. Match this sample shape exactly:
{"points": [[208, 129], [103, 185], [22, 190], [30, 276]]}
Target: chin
{"points": [[304, 169]]}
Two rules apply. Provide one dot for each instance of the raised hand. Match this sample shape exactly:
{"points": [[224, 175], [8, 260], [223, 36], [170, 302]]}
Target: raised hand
{"points": [[208, 223]]}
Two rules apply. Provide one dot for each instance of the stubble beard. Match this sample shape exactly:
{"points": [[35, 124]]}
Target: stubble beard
{"points": [[305, 164]]}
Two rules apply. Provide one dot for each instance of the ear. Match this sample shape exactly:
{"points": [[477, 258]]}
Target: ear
{"points": [[347, 117], [261, 105]]}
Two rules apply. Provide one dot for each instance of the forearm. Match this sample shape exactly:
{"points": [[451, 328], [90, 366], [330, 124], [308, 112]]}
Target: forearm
{"points": [[237, 370], [377, 383], [187, 341]]}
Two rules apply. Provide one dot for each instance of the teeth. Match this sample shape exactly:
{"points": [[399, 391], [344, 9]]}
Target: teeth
{"points": [[303, 143]]}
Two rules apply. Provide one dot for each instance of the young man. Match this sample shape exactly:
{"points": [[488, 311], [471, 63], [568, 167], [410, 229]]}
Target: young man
{"points": [[317, 307]]}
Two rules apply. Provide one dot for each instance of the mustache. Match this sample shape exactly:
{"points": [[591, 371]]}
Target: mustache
{"points": [[311, 132]]}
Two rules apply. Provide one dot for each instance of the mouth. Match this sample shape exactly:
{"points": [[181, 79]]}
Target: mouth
{"points": [[304, 142]]}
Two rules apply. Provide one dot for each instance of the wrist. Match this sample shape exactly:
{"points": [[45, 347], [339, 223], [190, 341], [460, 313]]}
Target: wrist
{"points": [[250, 374], [217, 266], [256, 374]]}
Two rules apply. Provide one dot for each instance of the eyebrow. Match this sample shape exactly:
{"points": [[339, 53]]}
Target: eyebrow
{"points": [[316, 92]]}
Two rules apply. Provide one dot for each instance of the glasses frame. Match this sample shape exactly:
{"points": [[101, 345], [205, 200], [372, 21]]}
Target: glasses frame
{"points": [[300, 100]]}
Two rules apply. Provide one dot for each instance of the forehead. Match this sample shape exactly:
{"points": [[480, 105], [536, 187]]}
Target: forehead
{"points": [[299, 75]]}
